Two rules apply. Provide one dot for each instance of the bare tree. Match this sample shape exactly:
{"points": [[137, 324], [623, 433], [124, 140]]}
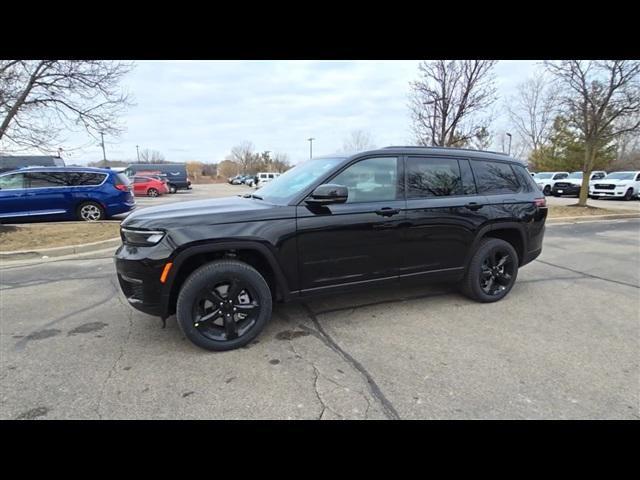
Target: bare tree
{"points": [[447, 100], [41, 98], [243, 154], [533, 109], [152, 156], [358, 141], [600, 98], [281, 162]]}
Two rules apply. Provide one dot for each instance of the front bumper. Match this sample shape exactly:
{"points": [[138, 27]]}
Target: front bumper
{"points": [[616, 192], [566, 190], [139, 279]]}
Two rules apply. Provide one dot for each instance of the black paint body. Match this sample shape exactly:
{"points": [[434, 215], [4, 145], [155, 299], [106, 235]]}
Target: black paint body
{"points": [[311, 249]]}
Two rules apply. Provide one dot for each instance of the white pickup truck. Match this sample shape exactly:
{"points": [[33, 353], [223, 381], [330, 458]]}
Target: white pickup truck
{"points": [[624, 185]]}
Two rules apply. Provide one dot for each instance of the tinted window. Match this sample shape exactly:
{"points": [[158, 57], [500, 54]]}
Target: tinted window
{"points": [[42, 180], [527, 182], [638, 178], [494, 178], [85, 178], [14, 181], [468, 182], [433, 177], [370, 180]]}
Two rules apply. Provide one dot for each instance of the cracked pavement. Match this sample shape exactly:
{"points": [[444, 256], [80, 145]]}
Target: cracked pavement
{"points": [[563, 344]]}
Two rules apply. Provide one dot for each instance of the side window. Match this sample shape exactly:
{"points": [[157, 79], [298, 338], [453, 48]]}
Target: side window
{"points": [[138, 180], [527, 182], [12, 182], [468, 182], [86, 178], [638, 178], [370, 180], [494, 178], [433, 177], [46, 179], [562, 175]]}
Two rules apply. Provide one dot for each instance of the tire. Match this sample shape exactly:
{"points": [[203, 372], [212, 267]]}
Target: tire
{"points": [[472, 285], [172, 188], [547, 190], [628, 195], [152, 192], [90, 212], [214, 333]]}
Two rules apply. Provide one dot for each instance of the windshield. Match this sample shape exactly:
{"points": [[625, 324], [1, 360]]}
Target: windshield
{"points": [[543, 176], [575, 175], [621, 175], [282, 189]]}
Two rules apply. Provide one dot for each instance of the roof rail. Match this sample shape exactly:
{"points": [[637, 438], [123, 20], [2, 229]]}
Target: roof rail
{"points": [[447, 148]]}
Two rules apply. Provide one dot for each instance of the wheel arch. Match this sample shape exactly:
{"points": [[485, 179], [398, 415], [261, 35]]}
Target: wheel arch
{"points": [[253, 253], [511, 232]]}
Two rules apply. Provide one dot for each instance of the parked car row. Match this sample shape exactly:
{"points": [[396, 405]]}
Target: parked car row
{"points": [[624, 185], [257, 181]]}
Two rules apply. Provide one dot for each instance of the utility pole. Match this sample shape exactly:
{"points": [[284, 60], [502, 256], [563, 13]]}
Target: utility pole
{"points": [[509, 135], [311, 147], [104, 155], [138, 152]]}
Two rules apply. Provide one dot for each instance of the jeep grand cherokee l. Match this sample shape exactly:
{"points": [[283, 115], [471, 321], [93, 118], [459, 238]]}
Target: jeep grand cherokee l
{"points": [[329, 225]]}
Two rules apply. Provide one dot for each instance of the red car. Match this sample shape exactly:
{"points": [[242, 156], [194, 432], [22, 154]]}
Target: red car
{"points": [[149, 186]]}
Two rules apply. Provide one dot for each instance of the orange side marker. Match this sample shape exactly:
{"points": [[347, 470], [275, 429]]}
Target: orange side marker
{"points": [[165, 272]]}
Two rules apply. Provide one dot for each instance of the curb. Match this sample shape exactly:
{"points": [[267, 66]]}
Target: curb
{"points": [[60, 251], [592, 218]]}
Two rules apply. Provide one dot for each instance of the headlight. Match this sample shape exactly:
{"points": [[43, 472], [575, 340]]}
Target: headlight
{"points": [[141, 238], [621, 185]]}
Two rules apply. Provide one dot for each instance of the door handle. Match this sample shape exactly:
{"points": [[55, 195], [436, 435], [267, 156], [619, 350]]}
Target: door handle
{"points": [[387, 212], [473, 206]]}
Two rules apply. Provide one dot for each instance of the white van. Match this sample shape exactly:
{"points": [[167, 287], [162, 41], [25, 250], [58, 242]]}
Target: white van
{"points": [[264, 178]]}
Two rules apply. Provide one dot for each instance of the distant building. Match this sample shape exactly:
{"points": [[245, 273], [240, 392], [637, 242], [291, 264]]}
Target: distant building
{"points": [[13, 162]]}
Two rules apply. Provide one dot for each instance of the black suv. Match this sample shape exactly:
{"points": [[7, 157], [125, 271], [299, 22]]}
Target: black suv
{"points": [[328, 225]]}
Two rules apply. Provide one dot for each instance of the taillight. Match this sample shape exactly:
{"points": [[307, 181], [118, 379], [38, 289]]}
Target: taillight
{"points": [[123, 188], [540, 202]]}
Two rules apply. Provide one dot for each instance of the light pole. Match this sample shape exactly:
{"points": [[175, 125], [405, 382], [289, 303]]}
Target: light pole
{"points": [[509, 135], [104, 155], [311, 147], [138, 152]]}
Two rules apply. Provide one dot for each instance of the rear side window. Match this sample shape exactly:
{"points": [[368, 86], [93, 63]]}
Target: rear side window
{"points": [[45, 179], [433, 177], [77, 179], [526, 181], [494, 178]]}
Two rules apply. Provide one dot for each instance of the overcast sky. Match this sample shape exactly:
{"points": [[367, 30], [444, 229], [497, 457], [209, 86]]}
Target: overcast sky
{"points": [[198, 110]]}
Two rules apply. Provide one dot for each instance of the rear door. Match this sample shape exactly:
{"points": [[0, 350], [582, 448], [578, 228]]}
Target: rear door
{"points": [[498, 182], [444, 211], [13, 202]]}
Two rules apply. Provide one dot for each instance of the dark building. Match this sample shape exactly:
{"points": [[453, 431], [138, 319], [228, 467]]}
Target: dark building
{"points": [[13, 162]]}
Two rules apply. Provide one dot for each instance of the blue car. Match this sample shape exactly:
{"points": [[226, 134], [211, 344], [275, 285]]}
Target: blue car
{"points": [[63, 193]]}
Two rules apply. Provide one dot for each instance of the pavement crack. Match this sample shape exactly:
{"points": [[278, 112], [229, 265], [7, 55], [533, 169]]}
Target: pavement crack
{"points": [[103, 387], [590, 275], [387, 407]]}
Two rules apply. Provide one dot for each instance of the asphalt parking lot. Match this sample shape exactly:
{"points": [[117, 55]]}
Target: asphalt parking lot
{"points": [[562, 345]]}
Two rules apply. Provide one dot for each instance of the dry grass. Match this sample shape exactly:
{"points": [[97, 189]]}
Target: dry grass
{"points": [[49, 235], [557, 211]]}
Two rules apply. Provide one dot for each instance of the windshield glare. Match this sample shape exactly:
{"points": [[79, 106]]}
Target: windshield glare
{"points": [[621, 175], [282, 189], [543, 176], [575, 175]]}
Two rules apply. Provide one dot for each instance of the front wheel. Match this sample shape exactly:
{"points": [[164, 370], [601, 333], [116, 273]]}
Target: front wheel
{"points": [[547, 190], [492, 271], [629, 194], [152, 192], [173, 189], [223, 305]]}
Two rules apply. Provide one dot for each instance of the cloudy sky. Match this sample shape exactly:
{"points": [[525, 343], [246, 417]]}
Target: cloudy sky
{"points": [[198, 110]]}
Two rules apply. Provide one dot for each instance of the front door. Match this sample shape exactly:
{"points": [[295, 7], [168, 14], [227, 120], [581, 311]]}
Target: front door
{"points": [[12, 196], [356, 241]]}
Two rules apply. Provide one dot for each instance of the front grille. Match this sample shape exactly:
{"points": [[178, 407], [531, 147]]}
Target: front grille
{"points": [[562, 185], [130, 289], [602, 186]]}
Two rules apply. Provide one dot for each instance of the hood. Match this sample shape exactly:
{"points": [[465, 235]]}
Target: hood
{"points": [[203, 212], [613, 181]]}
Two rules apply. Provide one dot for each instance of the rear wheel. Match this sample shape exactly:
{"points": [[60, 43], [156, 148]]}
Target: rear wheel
{"points": [[152, 192], [90, 212], [223, 305], [492, 271]]}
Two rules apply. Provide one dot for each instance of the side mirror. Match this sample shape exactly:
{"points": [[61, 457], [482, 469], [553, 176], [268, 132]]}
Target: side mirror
{"points": [[328, 194]]}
